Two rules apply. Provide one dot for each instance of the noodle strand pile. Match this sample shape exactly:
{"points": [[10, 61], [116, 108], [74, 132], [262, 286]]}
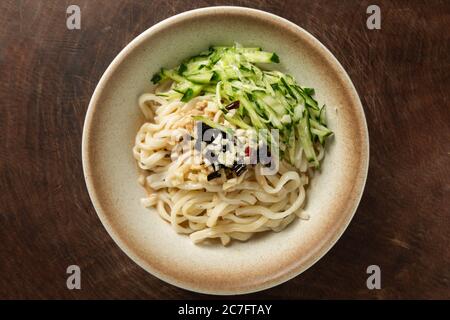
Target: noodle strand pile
{"points": [[178, 187]]}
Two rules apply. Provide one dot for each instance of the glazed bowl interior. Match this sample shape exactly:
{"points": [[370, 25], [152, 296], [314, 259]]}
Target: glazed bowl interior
{"points": [[111, 173]]}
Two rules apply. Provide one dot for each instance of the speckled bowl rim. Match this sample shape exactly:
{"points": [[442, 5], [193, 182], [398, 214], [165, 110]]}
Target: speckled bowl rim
{"points": [[167, 23]]}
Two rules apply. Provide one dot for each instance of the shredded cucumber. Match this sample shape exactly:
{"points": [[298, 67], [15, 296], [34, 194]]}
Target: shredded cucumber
{"points": [[213, 124], [268, 99]]}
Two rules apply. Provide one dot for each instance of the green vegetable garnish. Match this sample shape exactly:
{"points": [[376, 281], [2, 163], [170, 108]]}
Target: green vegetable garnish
{"points": [[268, 99]]}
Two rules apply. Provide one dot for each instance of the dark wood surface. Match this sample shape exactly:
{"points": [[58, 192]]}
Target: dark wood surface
{"points": [[48, 74]]}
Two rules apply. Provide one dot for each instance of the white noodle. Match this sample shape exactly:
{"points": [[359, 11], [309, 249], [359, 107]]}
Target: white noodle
{"points": [[180, 192]]}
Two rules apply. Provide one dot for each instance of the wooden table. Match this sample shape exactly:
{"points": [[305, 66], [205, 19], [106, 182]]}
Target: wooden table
{"points": [[48, 74]]}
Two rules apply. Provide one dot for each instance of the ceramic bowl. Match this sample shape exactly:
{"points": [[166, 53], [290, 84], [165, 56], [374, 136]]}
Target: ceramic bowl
{"points": [[113, 118]]}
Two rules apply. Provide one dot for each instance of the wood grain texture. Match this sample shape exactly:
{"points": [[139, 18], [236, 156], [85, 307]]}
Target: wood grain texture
{"points": [[48, 74]]}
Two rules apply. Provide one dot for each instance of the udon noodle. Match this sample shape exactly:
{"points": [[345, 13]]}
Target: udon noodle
{"points": [[177, 186]]}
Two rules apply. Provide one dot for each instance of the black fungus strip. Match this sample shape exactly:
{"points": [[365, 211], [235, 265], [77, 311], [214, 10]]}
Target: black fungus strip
{"points": [[240, 172], [204, 127], [228, 172], [236, 166], [239, 168], [213, 175], [214, 133], [233, 105]]}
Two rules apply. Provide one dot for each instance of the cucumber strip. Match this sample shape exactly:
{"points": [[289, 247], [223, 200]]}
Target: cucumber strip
{"points": [[309, 91], [267, 85], [201, 77], [261, 57], [184, 86], [250, 109], [209, 88], [171, 74], [259, 110], [170, 95], [304, 134], [249, 88], [321, 135], [243, 50], [193, 69], [188, 95], [230, 73], [288, 88], [291, 151], [298, 112], [318, 126], [228, 90], [275, 104], [320, 131], [315, 114], [220, 48], [271, 77], [308, 99], [157, 77], [213, 124], [323, 116], [192, 92], [268, 99], [238, 122], [218, 95], [182, 68], [270, 113]]}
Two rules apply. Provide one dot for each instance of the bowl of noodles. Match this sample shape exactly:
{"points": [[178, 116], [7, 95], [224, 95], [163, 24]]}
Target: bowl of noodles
{"points": [[225, 150]]}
